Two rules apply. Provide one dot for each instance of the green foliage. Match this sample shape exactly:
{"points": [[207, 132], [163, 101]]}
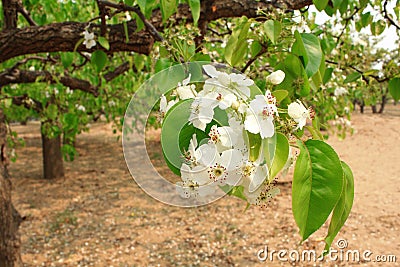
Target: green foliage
{"points": [[195, 8], [317, 185], [343, 207], [394, 88], [273, 29], [99, 60], [237, 46]]}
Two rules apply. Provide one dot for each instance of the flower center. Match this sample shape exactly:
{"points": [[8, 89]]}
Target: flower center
{"points": [[217, 172]]}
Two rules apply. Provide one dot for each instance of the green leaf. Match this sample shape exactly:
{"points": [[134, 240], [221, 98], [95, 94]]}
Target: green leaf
{"points": [[67, 58], [378, 27], [236, 46], [128, 2], [280, 94], [327, 75], [296, 80], [308, 48], [236, 191], [195, 8], [255, 48], [320, 4], [343, 207], [352, 77], [281, 155], [177, 132], [317, 185], [104, 42], [174, 121], [273, 29], [394, 88], [99, 60], [254, 145], [162, 64], [80, 41], [52, 111], [168, 7]]}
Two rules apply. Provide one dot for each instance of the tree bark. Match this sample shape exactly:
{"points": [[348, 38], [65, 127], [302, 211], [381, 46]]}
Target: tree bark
{"points": [[9, 217], [62, 37], [53, 164], [10, 11]]}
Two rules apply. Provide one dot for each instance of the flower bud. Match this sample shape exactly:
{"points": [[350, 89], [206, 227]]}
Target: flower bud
{"points": [[276, 77]]}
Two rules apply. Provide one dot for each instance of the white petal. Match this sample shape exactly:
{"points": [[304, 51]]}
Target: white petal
{"points": [[211, 71], [259, 177], [200, 174], [231, 159], [233, 177], [183, 191], [267, 127], [227, 101], [208, 154], [251, 124], [163, 103], [187, 80], [185, 92], [198, 124], [228, 136]]}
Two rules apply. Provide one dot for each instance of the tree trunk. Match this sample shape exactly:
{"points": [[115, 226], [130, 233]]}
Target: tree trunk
{"points": [[373, 107], [10, 219], [53, 164], [384, 100]]}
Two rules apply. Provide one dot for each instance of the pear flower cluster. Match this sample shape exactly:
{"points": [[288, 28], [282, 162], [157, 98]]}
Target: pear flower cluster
{"points": [[223, 159]]}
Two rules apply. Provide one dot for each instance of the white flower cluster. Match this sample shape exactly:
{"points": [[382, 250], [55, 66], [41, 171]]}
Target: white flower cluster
{"points": [[223, 159]]}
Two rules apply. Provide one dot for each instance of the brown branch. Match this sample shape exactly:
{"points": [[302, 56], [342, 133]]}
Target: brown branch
{"points": [[16, 76], [122, 7], [364, 77], [388, 17], [10, 8], [27, 102], [27, 16], [62, 37], [109, 76]]}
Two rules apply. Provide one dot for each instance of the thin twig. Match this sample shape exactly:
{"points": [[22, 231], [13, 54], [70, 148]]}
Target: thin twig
{"points": [[26, 15], [388, 17], [149, 27]]}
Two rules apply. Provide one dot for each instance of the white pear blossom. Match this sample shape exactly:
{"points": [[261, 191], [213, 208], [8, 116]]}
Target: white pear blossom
{"points": [[128, 16], [89, 41], [194, 185], [299, 113], [276, 77], [260, 115], [223, 137], [165, 105], [202, 112], [186, 91], [81, 108], [232, 83], [339, 91], [224, 168]]}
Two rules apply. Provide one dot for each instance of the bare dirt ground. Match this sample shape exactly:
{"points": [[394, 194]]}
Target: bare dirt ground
{"points": [[98, 216]]}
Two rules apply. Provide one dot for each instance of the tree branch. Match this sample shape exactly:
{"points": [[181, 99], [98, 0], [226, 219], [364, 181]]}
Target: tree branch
{"points": [[62, 37], [388, 17], [10, 8], [13, 76]]}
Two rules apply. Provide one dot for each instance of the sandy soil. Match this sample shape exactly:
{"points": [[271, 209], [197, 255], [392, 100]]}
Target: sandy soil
{"points": [[97, 215]]}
